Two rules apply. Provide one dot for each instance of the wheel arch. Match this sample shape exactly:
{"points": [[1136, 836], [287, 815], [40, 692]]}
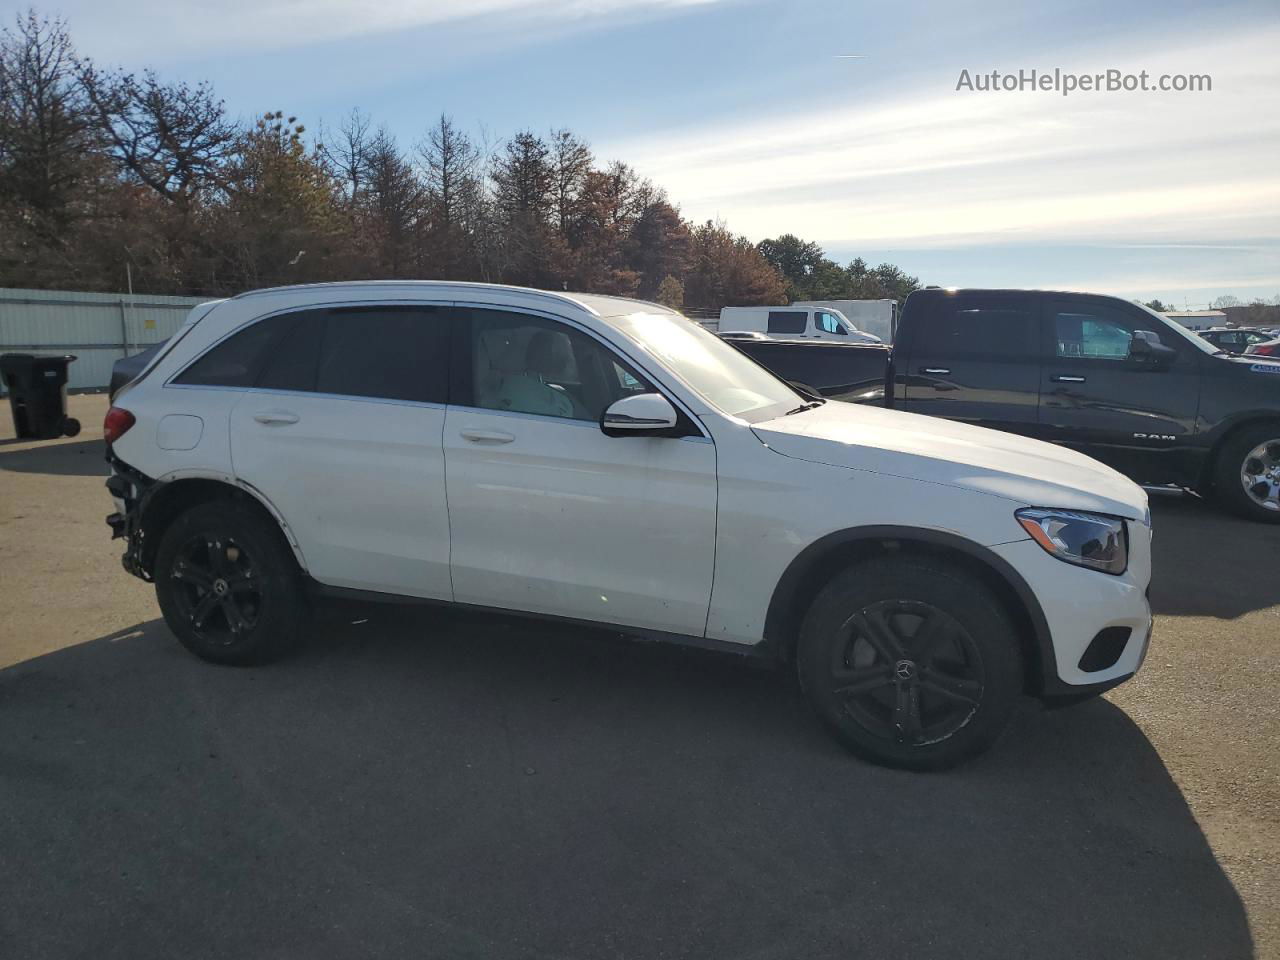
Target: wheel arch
{"points": [[1209, 469], [802, 580], [176, 493]]}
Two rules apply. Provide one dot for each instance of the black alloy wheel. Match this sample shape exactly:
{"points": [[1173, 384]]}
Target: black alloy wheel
{"points": [[220, 592], [228, 584], [907, 671]]}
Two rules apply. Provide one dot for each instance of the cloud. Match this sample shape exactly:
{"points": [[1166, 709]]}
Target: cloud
{"points": [[936, 167], [158, 29]]}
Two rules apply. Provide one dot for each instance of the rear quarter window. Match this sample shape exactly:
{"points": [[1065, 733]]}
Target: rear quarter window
{"points": [[237, 360]]}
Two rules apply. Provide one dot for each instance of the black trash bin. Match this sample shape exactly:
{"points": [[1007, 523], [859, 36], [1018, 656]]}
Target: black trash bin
{"points": [[38, 395]]}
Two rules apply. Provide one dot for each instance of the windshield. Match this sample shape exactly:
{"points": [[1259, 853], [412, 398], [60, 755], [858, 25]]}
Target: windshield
{"points": [[723, 376], [1193, 338]]}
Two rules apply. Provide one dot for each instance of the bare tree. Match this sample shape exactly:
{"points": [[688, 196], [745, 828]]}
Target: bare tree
{"points": [[393, 200], [570, 163], [346, 154], [47, 146], [450, 161], [171, 137]]}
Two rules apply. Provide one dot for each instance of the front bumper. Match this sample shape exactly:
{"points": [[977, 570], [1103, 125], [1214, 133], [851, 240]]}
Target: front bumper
{"points": [[1086, 609]]}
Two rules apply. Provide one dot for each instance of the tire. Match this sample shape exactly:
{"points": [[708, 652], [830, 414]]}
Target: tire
{"points": [[70, 426], [917, 702], [228, 584], [1253, 452]]}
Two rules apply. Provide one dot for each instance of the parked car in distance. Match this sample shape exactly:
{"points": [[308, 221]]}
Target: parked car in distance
{"points": [[793, 323], [604, 460], [1234, 339], [1102, 375], [1265, 348], [877, 317], [126, 368]]}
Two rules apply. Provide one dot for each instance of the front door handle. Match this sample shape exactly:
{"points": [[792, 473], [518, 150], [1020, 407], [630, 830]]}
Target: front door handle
{"points": [[275, 416], [486, 436], [942, 370], [1066, 379]]}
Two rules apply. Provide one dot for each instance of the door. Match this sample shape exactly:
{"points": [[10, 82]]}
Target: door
{"points": [[975, 357], [549, 515], [342, 433], [1132, 414], [827, 326]]}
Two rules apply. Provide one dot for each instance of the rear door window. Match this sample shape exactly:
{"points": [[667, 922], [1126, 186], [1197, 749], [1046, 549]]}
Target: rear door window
{"points": [[385, 352], [787, 321], [999, 328]]}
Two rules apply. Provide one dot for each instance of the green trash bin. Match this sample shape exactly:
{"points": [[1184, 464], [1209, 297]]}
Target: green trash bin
{"points": [[38, 395]]}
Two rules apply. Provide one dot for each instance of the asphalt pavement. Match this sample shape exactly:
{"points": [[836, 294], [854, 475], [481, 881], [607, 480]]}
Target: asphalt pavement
{"points": [[422, 782]]}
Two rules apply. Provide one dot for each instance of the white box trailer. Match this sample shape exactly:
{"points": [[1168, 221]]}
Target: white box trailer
{"points": [[878, 317]]}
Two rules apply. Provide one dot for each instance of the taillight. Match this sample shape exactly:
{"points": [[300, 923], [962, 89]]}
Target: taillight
{"points": [[116, 424], [1266, 350]]}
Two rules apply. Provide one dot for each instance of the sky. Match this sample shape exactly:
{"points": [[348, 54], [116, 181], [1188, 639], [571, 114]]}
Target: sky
{"points": [[836, 120]]}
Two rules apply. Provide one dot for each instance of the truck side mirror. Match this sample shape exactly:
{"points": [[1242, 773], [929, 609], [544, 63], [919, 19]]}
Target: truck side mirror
{"points": [[1146, 351]]}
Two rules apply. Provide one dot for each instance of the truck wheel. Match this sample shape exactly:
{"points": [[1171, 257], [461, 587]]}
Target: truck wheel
{"points": [[1247, 475], [228, 585], [70, 426], [910, 663]]}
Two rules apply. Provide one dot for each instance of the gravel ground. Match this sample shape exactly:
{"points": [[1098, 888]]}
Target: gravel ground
{"points": [[429, 782]]}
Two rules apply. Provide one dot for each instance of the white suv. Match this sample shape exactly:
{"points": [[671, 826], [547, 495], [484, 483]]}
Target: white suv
{"points": [[605, 460]]}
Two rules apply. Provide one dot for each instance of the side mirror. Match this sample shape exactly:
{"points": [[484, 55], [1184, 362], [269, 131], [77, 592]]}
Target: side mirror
{"points": [[1145, 350], [640, 415]]}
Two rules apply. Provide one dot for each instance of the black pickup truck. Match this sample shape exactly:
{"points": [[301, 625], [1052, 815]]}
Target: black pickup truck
{"points": [[1104, 375]]}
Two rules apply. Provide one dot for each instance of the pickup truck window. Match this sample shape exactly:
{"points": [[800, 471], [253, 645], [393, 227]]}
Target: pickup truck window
{"points": [[787, 321], [988, 328], [1094, 331]]}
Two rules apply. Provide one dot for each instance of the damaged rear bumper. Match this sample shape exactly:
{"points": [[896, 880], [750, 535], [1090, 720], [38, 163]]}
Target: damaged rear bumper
{"points": [[130, 489]]}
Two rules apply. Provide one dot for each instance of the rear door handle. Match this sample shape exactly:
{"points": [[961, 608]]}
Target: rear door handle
{"points": [[275, 416], [935, 370], [486, 436], [1065, 379]]}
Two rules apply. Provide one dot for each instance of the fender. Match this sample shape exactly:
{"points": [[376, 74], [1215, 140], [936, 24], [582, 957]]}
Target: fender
{"points": [[250, 489], [779, 613]]}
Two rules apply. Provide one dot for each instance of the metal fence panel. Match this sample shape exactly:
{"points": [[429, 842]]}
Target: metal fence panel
{"points": [[99, 328]]}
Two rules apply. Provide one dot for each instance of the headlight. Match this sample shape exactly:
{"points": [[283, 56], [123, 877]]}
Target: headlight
{"points": [[1085, 539]]}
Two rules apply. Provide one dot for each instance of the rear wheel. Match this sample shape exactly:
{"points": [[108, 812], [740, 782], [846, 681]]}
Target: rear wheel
{"points": [[1248, 473], [910, 663], [227, 584]]}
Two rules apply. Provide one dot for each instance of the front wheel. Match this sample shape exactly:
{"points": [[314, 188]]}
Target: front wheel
{"points": [[1248, 473], [227, 584], [910, 663]]}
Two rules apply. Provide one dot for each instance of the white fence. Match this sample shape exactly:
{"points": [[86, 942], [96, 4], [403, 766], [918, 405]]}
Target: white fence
{"points": [[98, 328]]}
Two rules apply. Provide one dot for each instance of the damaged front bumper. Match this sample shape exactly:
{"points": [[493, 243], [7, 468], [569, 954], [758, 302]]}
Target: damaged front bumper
{"points": [[130, 489]]}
